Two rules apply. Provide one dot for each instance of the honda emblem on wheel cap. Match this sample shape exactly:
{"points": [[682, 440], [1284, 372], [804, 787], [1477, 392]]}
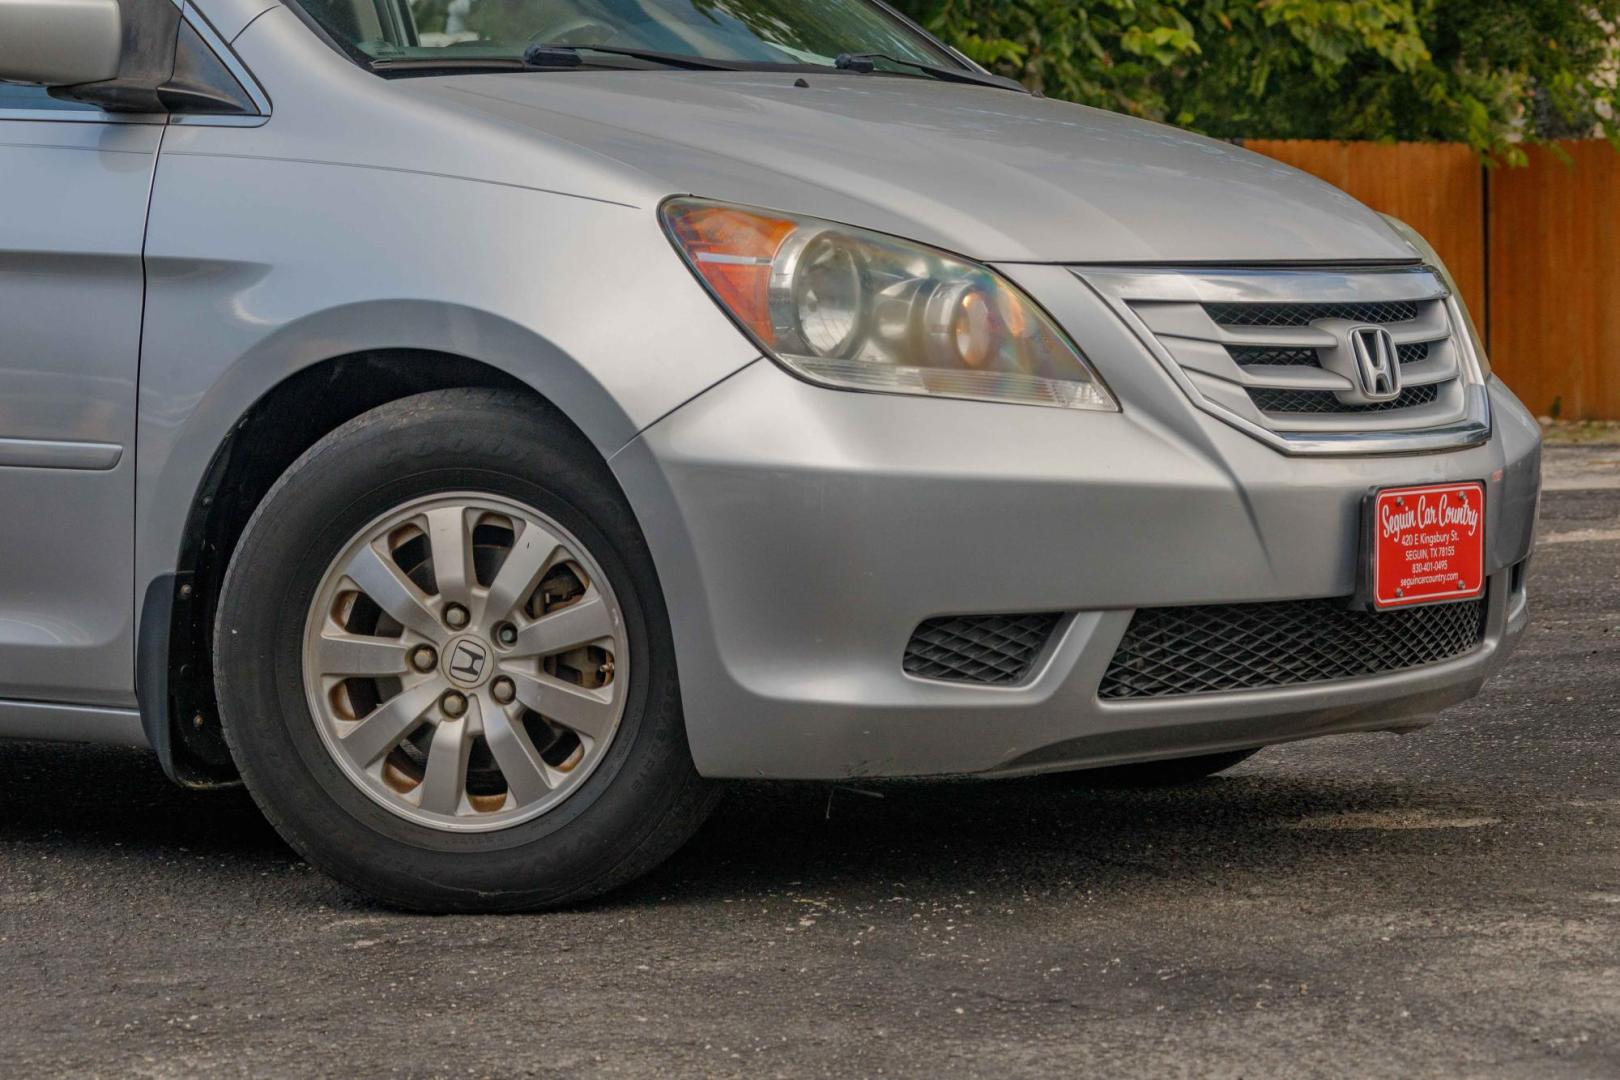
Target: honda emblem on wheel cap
{"points": [[468, 661], [1377, 362]]}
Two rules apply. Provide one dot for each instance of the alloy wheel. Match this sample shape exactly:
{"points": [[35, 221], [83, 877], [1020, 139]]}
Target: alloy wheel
{"points": [[466, 662]]}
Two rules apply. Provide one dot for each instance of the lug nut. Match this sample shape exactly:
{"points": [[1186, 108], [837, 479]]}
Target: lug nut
{"points": [[423, 658], [503, 690], [506, 634], [454, 705], [455, 617]]}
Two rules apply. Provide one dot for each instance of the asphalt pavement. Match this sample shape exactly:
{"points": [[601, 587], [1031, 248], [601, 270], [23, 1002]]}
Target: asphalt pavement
{"points": [[1439, 904]]}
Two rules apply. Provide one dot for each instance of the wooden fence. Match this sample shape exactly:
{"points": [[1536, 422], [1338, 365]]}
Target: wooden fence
{"points": [[1533, 249]]}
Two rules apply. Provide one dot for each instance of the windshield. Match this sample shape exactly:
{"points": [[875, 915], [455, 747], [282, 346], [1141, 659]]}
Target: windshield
{"points": [[748, 33]]}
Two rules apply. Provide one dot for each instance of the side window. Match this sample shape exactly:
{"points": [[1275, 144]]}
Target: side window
{"points": [[16, 96]]}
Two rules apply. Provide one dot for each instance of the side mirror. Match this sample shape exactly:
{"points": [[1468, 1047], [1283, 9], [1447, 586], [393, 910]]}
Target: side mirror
{"points": [[60, 42]]}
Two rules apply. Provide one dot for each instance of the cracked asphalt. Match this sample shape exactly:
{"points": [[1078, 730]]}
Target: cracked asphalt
{"points": [[1440, 904]]}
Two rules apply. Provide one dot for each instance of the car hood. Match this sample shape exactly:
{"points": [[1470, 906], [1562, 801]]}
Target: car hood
{"points": [[992, 174]]}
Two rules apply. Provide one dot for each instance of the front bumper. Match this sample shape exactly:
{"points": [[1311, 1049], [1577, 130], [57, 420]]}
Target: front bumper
{"points": [[802, 534]]}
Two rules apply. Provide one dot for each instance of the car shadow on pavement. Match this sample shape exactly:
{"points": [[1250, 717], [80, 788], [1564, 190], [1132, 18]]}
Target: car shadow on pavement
{"points": [[89, 803], [88, 798], [1014, 835]]}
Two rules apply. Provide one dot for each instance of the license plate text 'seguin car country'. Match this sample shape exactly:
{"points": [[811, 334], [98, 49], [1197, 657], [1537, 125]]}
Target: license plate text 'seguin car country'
{"points": [[1426, 545]]}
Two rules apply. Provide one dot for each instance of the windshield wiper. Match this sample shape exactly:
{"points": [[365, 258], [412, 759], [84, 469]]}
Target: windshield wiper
{"points": [[540, 57], [545, 54], [427, 65], [866, 63]]}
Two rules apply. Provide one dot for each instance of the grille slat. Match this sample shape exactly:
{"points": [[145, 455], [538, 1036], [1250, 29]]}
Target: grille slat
{"points": [[985, 649], [1259, 356], [1326, 401], [1214, 648], [1248, 356], [1304, 314]]}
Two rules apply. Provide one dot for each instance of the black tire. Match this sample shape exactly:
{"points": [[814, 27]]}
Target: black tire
{"points": [[639, 805], [1151, 774]]}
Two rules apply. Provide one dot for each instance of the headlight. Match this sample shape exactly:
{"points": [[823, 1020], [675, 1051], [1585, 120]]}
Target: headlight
{"points": [[1426, 251], [860, 310]]}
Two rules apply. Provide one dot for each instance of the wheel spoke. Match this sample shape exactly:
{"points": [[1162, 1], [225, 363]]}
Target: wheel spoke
{"points": [[452, 553], [525, 771], [356, 655], [584, 622], [392, 591], [390, 722], [586, 712], [531, 556], [445, 780]]}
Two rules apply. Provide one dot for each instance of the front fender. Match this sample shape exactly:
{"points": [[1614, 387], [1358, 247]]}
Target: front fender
{"points": [[258, 269]]}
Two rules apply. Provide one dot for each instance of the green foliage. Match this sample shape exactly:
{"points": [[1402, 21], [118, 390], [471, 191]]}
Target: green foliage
{"points": [[1489, 73]]}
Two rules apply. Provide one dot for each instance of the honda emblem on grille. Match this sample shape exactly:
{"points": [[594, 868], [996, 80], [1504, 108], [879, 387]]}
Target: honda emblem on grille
{"points": [[1377, 362]]}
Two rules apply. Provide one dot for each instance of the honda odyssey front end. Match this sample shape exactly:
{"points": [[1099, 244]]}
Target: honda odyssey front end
{"points": [[547, 410]]}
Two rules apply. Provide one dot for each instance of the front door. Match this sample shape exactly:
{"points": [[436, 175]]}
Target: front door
{"points": [[74, 184]]}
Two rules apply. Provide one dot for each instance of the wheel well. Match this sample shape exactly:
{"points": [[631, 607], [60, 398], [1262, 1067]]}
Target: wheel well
{"points": [[182, 717]]}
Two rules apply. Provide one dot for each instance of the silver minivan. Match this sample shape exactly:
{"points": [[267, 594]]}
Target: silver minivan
{"points": [[479, 426]]}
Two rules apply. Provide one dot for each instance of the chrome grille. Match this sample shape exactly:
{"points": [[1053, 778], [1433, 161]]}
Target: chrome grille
{"points": [[985, 649], [1273, 353], [1210, 649]]}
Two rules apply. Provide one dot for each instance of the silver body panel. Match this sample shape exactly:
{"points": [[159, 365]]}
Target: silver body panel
{"points": [[70, 322], [800, 533], [71, 723], [504, 270], [889, 516], [990, 174]]}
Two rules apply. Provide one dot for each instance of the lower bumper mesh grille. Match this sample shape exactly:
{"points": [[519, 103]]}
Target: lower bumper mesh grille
{"points": [[1204, 650], [985, 649]]}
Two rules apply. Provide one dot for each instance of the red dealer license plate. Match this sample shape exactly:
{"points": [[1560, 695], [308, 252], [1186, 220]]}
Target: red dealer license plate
{"points": [[1427, 544]]}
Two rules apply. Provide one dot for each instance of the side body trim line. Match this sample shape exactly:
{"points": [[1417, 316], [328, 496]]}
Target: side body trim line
{"points": [[51, 454]]}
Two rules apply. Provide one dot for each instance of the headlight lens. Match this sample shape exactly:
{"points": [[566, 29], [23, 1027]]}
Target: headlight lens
{"points": [[860, 310], [1426, 251]]}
